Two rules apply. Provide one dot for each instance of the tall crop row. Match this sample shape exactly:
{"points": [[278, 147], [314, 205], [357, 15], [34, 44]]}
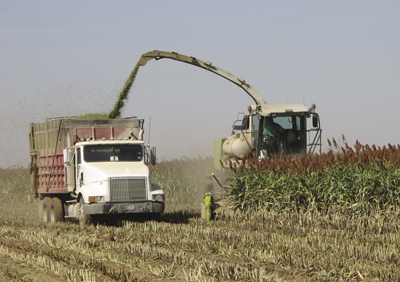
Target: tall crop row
{"points": [[351, 179]]}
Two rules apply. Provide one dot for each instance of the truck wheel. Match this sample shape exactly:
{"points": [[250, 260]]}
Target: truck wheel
{"points": [[46, 209], [84, 219], [56, 210]]}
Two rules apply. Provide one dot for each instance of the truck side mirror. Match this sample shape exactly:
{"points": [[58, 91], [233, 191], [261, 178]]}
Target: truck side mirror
{"points": [[68, 154], [150, 155], [315, 120]]}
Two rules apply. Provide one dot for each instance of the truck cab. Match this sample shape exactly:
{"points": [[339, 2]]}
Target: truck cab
{"points": [[112, 177]]}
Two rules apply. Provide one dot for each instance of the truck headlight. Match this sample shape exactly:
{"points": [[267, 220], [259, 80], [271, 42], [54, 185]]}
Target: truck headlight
{"points": [[159, 197], [94, 199]]}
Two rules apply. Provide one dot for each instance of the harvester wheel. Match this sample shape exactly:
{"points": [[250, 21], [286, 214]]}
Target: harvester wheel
{"points": [[56, 210], [84, 219], [46, 209]]}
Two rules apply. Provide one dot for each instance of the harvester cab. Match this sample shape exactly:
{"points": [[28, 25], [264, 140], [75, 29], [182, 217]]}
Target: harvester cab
{"points": [[273, 129]]}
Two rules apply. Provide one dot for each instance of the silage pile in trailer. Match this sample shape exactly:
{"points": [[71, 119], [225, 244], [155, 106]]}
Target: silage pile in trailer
{"points": [[91, 116], [345, 178]]}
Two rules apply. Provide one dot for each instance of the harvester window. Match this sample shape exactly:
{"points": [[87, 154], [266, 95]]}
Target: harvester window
{"points": [[113, 153], [283, 134]]}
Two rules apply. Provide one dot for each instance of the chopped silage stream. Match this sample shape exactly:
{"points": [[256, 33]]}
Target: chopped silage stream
{"points": [[116, 111]]}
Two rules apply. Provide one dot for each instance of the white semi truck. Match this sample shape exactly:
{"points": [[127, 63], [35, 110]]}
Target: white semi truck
{"points": [[93, 169]]}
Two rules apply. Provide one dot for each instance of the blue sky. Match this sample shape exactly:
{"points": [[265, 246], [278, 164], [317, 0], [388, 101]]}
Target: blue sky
{"points": [[65, 58]]}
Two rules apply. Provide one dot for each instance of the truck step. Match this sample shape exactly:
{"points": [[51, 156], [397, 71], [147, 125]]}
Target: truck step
{"points": [[70, 201]]}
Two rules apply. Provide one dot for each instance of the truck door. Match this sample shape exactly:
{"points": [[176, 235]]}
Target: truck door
{"points": [[78, 168]]}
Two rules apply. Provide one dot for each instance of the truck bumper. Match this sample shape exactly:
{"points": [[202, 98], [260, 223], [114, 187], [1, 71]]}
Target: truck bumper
{"points": [[125, 208]]}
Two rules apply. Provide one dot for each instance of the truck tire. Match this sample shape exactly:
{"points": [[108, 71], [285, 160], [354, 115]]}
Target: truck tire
{"points": [[84, 219], [56, 210], [46, 209]]}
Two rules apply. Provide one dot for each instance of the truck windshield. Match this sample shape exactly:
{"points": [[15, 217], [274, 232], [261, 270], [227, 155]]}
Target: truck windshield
{"points": [[113, 153]]}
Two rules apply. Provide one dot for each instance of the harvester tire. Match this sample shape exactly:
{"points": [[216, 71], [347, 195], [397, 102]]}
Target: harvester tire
{"points": [[46, 209], [56, 210], [84, 219]]}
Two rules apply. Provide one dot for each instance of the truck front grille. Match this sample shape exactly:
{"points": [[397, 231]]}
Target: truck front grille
{"points": [[127, 189]]}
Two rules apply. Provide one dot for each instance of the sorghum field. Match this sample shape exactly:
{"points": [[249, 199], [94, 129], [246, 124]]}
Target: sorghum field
{"points": [[333, 217]]}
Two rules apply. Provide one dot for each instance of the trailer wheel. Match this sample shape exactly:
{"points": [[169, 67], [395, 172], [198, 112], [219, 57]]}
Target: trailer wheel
{"points": [[56, 210], [46, 209], [84, 219]]}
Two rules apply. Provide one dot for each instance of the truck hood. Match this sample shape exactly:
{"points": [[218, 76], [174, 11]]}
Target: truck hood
{"points": [[95, 172]]}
